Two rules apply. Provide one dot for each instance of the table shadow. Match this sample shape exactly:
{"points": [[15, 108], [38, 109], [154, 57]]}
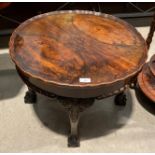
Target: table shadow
{"points": [[103, 118], [145, 102], [10, 84]]}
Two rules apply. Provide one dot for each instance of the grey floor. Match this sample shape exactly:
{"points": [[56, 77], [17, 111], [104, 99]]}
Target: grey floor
{"points": [[43, 127]]}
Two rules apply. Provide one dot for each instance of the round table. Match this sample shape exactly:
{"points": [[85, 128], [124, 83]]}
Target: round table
{"points": [[77, 56]]}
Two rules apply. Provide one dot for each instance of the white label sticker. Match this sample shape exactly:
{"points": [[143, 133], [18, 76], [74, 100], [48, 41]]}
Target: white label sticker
{"points": [[85, 80]]}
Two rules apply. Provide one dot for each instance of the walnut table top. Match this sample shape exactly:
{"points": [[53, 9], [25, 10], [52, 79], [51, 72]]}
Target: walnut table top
{"points": [[77, 49]]}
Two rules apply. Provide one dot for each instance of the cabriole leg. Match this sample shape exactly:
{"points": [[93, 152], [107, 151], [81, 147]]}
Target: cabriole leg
{"points": [[74, 107], [73, 139]]}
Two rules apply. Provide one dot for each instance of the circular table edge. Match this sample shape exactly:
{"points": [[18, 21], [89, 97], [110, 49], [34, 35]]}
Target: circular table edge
{"points": [[11, 48], [140, 78]]}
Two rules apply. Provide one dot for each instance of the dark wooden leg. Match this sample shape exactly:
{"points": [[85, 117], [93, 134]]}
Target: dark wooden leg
{"points": [[73, 138], [30, 96], [120, 99], [74, 107]]}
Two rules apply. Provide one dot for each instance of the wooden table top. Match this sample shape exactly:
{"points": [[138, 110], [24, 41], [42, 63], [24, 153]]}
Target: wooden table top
{"points": [[77, 48], [146, 81]]}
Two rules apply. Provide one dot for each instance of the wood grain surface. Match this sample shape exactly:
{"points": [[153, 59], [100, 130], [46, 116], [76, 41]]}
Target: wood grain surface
{"points": [[62, 47], [146, 81]]}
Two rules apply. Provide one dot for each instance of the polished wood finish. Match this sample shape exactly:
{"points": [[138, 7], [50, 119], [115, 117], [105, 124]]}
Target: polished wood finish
{"points": [[146, 81], [151, 64], [59, 48]]}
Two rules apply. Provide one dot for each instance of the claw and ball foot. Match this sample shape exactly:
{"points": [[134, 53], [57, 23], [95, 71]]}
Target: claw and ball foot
{"points": [[73, 141], [120, 99], [30, 97]]}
